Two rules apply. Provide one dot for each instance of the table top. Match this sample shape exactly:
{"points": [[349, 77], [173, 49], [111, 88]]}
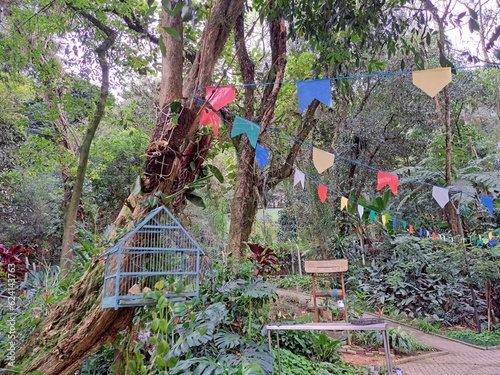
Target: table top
{"points": [[328, 326]]}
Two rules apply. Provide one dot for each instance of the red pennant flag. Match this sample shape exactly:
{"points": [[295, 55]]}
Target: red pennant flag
{"points": [[390, 179], [210, 117], [322, 190], [410, 229], [434, 236]]}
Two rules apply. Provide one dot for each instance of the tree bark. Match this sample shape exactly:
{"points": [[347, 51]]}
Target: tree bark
{"points": [[70, 220], [78, 326]]}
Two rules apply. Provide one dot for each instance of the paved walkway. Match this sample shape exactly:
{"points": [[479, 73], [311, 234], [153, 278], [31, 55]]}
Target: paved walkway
{"points": [[459, 359]]}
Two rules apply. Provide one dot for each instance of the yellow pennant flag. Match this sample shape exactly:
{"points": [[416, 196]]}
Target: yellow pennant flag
{"points": [[322, 160], [431, 81], [490, 235], [384, 219], [343, 203]]}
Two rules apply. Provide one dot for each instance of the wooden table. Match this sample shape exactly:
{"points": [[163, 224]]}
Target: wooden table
{"points": [[331, 326]]}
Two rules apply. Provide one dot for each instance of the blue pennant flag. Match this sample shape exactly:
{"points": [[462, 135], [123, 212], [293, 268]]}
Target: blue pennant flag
{"points": [[420, 232], [262, 155], [243, 126], [488, 203], [394, 221], [317, 89]]}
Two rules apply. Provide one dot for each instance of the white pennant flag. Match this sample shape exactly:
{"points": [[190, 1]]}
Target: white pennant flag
{"points": [[299, 177], [361, 210], [440, 194]]}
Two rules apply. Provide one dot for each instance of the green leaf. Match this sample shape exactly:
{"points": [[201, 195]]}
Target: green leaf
{"points": [[160, 362], [473, 25], [196, 200], [172, 361], [173, 33], [160, 284], [216, 172], [163, 48]]}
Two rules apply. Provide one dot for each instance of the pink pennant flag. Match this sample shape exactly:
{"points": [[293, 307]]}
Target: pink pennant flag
{"points": [[343, 203], [218, 98], [390, 179], [299, 177], [322, 190], [441, 196]]}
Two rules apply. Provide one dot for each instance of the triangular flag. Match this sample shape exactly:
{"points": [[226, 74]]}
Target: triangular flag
{"points": [[420, 232], [299, 177], [490, 235], [262, 155], [219, 96], [243, 126], [322, 190], [361, 210], [441, 196], [404, 225], [432, 81], [384, 219], [434, 236], [317, 89], [427, 233], [492, 242], [343, 203], [488, 203], [322, 160], [394, 221], [410, 229], [384, 178], [372, 215], [210, 117]]}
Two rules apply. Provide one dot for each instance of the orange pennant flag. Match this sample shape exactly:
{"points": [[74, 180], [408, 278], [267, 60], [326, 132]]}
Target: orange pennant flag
{"points": [[384, 178], [322, 160], [322, 190], [431, 81]]}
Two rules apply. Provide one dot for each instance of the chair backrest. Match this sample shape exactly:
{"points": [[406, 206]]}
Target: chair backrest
{"points": [[326, 266]]}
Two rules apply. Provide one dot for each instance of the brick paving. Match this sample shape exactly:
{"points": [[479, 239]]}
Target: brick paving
{"points": [[460, 359]]}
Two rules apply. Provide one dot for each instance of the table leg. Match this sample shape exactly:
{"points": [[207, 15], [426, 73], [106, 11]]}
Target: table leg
{"points": [[278, 351], [387, 349]]}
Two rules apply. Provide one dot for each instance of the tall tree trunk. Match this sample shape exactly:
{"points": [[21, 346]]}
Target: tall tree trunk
{"points": [[444, 115], [249, 180], [70, 220], [78, 326]]}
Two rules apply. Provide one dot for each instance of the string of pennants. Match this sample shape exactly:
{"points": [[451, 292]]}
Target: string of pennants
{"points": [[430, 81]]}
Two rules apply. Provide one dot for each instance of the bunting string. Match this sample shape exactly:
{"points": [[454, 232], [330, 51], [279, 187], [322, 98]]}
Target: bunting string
{"points": [[359, 76]]}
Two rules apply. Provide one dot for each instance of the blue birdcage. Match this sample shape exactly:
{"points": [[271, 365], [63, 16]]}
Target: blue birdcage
{"points": [[158, 248]]}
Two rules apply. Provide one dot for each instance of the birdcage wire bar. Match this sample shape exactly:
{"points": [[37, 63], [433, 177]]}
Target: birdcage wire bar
{"points": [[158, 248]]}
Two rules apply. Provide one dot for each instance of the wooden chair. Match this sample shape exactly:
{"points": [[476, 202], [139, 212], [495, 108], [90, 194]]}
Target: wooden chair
{"points": [[320, 269]]}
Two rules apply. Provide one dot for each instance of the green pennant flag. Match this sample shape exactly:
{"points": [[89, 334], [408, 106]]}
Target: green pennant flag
{"points": [[243, 126], [372, 215]]}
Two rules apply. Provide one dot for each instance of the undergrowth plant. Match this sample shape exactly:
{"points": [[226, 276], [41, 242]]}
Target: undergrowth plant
{"points": [[485, 338]]}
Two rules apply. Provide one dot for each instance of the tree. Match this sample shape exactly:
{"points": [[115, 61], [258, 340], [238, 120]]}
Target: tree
{"points": [[73, 337], [177, 150]]}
